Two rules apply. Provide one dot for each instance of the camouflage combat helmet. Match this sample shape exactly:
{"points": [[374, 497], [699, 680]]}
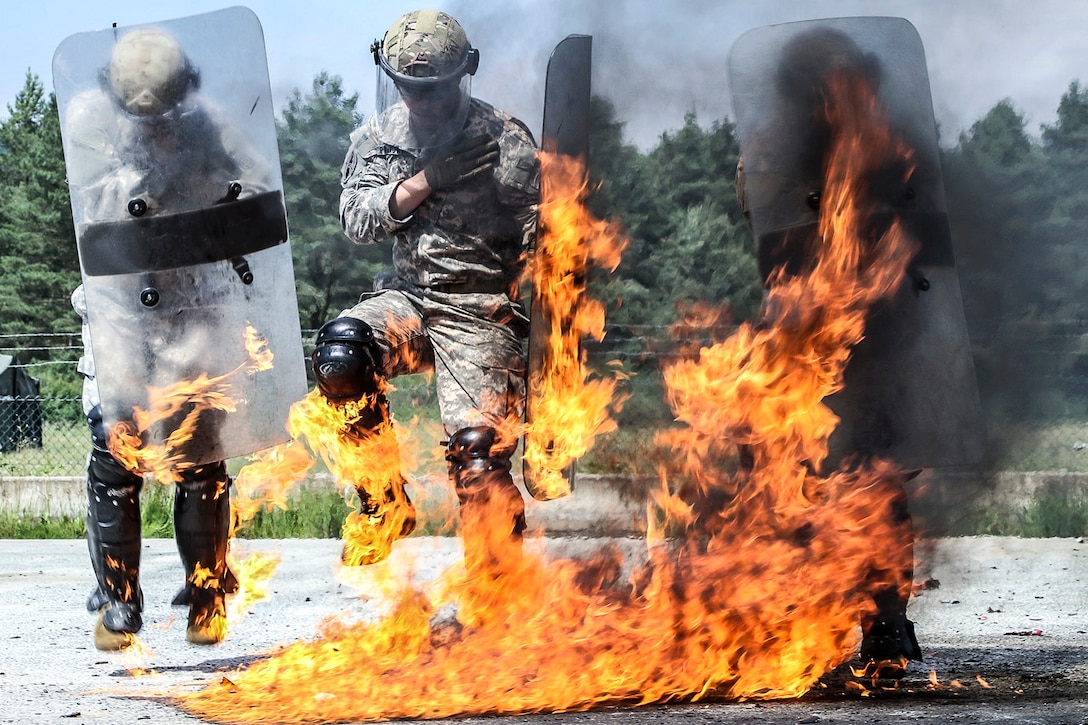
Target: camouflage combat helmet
{"points": [[149, 73], [424, 49]]}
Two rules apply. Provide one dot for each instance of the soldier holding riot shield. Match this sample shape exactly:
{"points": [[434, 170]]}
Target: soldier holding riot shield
{"points": [[175, 222], [909, 393], [454, 183]]}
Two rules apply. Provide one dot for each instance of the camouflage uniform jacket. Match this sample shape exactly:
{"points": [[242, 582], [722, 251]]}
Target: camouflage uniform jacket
{"points": [[478, 232]]}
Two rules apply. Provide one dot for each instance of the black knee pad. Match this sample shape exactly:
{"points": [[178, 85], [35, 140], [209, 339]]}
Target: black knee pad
{"points": [[347, 360], [474, 449], [481, 473]]}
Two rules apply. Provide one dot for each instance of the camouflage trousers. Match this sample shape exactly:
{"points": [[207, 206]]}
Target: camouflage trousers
{"points": [[473, 343]]}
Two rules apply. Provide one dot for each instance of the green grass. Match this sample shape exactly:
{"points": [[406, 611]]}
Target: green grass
{"points": [[63, 453], [310, 515], [15, 526], [1048, 515], [313, 513]]}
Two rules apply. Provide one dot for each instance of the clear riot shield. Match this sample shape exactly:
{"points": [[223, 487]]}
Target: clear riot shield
{"points": [[173, 169], [565, 131], [909, 390]]}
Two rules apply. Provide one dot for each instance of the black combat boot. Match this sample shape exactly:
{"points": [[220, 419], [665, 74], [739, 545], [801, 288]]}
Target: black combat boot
{"points": [[113, 540], [888, 639], [202, 533]]}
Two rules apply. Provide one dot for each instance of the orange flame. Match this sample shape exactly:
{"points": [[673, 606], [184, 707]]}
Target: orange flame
{"points": [[568, 408], [254, 572], [811, 547], [753, 586], [363, 462], [267, 480], [181, 404]]}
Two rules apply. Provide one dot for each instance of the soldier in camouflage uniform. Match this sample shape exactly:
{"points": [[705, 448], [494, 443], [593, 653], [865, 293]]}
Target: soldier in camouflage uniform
{"points": [[454, 184]]}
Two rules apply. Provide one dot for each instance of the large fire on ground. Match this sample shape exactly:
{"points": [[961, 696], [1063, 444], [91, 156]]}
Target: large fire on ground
{"points": [[755, 581]]}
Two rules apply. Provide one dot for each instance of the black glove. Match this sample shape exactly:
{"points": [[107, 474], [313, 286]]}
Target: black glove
{"points": [[462, 161]]}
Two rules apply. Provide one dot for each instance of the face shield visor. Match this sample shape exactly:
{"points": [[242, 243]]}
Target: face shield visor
{"points": [[422, 111]]}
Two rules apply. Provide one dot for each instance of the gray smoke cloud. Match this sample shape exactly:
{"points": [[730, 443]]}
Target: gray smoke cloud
{"points": [[655, 61]]}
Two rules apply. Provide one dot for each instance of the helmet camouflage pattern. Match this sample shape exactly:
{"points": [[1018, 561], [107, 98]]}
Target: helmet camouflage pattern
{"points": [[149, 73], [426, 47]]}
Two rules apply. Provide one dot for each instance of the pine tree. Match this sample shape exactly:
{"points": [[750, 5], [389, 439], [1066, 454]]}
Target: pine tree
{"points": [[330, 270], [39, 266]]}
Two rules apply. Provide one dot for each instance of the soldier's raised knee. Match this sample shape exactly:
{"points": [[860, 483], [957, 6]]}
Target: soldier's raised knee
{"points": [[347, 360]]}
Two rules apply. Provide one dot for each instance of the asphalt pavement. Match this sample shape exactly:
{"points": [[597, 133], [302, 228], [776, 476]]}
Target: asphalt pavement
{"points": [[1002, 623]]}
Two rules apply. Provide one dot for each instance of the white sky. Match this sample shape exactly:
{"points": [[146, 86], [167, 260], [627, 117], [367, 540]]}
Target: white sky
{"points": [[654, 60]]}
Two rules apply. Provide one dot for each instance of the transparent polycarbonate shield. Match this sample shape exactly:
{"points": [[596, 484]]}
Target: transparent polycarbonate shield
{"points": [[910, 391], [565, 131], [173, 168]]}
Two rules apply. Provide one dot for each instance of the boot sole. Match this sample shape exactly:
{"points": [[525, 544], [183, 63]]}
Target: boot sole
{"points": [[106, 640]]}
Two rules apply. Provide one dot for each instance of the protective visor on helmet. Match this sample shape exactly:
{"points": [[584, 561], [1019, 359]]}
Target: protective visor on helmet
{"points": [[425, 84], [418, 112]]}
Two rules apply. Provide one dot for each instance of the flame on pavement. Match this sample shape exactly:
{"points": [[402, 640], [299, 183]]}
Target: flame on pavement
{"points": [[754, 580]]}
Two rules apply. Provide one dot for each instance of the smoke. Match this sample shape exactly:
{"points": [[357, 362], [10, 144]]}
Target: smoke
{"points": [[657, 61], [654, 63]]}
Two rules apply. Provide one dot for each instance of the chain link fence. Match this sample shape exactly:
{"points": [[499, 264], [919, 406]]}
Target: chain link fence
{"points": [[33, 443], [1033, 380], [42, 429]]}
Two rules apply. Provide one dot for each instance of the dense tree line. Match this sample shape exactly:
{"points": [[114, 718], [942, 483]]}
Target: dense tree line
{"points": [[676, 203], [38, 264], [1018, 207]]}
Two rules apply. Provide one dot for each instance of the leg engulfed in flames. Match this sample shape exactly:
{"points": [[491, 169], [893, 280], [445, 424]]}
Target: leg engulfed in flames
{"points": [[492, 510], [348, 423], [202, 512], [359, 445]]}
